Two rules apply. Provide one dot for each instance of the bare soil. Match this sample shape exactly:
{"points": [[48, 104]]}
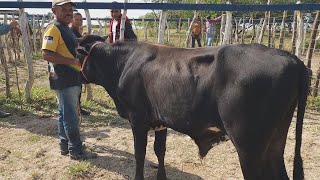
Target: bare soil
{"points": [[29, 150]]}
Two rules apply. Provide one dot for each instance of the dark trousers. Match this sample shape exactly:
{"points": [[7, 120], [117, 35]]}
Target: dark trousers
{"points": [[194, 38]]}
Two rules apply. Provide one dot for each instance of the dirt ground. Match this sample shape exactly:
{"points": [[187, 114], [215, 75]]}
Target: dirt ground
{"points": [[29, 150]]}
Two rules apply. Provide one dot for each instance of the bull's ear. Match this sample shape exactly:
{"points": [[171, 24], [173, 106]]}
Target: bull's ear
{"points": [[81, 50], [104, 38], [78, 40]]}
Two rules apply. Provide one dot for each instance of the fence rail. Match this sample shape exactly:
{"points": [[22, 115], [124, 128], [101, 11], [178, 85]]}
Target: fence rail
{"points": [[169, 6]]}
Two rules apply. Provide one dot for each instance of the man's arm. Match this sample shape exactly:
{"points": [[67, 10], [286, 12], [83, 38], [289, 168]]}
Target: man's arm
{"points": [[215, 19], [56, 58], [4, 29]]}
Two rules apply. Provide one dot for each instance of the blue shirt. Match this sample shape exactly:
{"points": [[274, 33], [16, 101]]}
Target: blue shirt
{"points": [[4, 29]]}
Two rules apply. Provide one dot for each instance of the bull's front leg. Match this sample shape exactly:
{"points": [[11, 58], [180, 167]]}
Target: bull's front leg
{"points": [[140, 142], [160, 150]]}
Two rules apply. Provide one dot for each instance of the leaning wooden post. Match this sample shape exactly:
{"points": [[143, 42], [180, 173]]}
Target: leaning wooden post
{"points": [[281, 38], [263, 28], [228, 27], [254, 29], [274, 25], [311, 50], [190, 25], [299, 32], [123, 22], [313, 39], [243, 29], [27, 55], [269, 29], [88, 19]]}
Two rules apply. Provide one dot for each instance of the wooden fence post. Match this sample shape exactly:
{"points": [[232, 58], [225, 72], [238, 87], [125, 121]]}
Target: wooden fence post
{"points": [[299, 32], [228, 28], [222, 29], [282, 30], [123, 22], [188, 38], [25, 40], [294, 34], [89, 30]]}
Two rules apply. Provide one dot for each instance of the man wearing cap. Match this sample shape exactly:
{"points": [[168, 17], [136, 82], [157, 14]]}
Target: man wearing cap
{"points": [[58, 47], [114, 27]]}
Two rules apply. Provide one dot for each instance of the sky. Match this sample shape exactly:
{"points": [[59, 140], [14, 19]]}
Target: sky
{"points": [[94, 13]]}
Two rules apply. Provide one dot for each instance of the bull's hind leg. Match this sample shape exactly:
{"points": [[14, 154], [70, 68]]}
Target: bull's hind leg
{"points": [[277, 145], [275, 159], [160, 150]]}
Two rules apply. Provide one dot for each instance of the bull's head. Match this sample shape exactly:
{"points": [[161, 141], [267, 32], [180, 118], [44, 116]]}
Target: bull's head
{"points": [[84, 53]]}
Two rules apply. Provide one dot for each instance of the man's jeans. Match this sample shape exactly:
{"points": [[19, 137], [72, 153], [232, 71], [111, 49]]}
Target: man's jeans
{"points": [[209, 40], [68, 119]]}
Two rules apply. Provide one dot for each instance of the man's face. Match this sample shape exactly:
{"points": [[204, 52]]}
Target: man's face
{"points": [[64, 13], [115, 13], [76, 21]]}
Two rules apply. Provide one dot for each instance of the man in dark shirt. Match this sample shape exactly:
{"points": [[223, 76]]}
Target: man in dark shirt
{"points": [[76, 25], [58, 47]]}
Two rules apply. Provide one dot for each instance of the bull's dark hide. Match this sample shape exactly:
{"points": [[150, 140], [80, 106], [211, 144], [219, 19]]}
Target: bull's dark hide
{"points": [[247, 92]]}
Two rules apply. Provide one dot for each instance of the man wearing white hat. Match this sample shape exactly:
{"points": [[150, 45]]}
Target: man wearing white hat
{"points": [[59, 44]]}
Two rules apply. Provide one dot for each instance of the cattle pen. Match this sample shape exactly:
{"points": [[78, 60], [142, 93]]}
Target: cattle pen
{"points": [[24, 90]]}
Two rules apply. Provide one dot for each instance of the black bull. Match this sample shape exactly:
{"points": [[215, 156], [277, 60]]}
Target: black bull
{"points": [[246, 92]]}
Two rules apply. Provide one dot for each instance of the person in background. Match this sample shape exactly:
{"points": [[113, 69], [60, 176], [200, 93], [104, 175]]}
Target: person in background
{"points": [[114, 27], [196, 32], [76, 28], [4, 29], [210, 29], [59, 49]]}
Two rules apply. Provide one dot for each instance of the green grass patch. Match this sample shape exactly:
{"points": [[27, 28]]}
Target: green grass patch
{"points": [[80, 168], [34, 138], [313, 102]]}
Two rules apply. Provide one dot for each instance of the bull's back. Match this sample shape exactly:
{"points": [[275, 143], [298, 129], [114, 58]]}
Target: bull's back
{"points": [[256, 85]]}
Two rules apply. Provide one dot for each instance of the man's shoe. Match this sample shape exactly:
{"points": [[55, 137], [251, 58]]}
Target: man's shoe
{"points": [[84, 155], [64, 153], [84, 112], [4, 114]]}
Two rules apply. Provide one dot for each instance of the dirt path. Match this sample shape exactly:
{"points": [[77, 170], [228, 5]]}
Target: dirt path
{"points": [[29, 150]]}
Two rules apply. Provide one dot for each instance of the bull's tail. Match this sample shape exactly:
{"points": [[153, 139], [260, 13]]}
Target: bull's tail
{"points": [[298, 173]]}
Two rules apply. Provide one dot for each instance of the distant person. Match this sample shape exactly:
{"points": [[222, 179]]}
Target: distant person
{"points": [[59, 49], [77, 29], [210, 29], [114, 27], [196, 28], [4, 29]]}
